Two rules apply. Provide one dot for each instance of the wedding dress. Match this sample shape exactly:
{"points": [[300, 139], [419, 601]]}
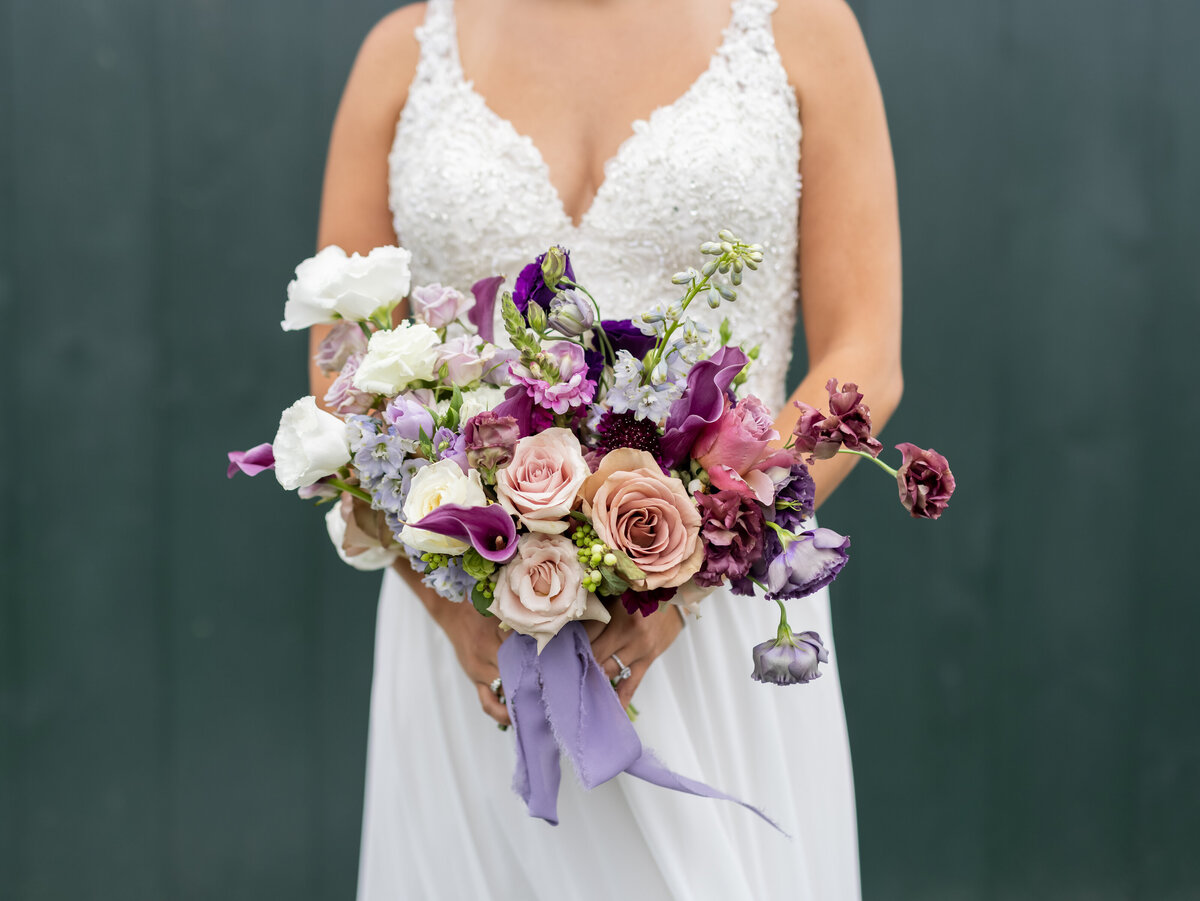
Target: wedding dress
{"points": [[471, 198]]}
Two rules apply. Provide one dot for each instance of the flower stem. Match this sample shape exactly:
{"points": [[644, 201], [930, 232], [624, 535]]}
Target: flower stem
{"points": [[352, 490], [893, 473]]}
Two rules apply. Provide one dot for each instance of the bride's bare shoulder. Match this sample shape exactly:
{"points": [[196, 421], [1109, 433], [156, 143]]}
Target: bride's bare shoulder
{"points": [[821, 46], [387, 59]]}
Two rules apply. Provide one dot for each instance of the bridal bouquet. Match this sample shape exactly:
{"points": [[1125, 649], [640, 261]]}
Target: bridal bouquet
{"points": [[578, 464]]}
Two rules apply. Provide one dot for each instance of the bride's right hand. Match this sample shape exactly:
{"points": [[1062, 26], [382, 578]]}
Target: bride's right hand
{"points": [[476, 639]]}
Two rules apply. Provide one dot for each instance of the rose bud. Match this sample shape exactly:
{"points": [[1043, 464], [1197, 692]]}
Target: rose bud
{"points": [[925, 481], [807, 564], [789, 659], [571, 313]]}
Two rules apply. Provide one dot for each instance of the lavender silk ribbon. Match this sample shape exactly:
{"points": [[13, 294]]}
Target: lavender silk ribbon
{"points": [[561, 698]]}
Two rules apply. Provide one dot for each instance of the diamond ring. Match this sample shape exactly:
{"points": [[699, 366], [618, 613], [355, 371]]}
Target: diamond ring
{"points": [[625, 672], [494, 685]]}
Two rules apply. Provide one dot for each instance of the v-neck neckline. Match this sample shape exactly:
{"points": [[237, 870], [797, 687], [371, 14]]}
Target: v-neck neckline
{"points": [[637, 128]]}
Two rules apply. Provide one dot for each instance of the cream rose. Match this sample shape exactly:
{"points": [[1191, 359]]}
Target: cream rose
{"points": [[542, 482], [332, 285], [396, 358], [309, 445], [541, 589], [647, 515], [439, 483]]}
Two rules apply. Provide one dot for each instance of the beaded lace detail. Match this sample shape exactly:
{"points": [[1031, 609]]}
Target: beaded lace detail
{"points": [[472, 197]]}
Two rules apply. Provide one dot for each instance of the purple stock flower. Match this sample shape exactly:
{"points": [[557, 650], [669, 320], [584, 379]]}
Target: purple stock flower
{"points": [[408, 417], [925, 481], [807, 564], [847, 425], [702, 403], [258, 459], [343, 341], [559, 380], [789, 659], [531, 287], [732, 531]]}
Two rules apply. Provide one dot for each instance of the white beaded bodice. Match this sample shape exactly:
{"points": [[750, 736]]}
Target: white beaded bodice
{"points": [[471, 197]]}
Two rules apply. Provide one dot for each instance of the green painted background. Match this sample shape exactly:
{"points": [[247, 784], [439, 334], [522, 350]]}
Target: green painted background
{"points": [[184, 667]]}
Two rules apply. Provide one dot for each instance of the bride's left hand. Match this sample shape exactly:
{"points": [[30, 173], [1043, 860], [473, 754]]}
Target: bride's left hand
{"points": [[638, 640]]}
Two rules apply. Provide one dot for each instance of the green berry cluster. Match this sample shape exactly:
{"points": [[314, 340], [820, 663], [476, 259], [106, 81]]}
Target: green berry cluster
{"points": [[592, 553], [435, 561]]}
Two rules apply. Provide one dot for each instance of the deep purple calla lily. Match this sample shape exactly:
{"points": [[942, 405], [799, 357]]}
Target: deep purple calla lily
{"points": [[251, 462], [702, 403], [481, 315], [490, 530]]}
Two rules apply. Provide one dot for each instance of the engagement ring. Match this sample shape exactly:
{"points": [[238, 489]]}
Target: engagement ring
{"points": [[625, 672]]}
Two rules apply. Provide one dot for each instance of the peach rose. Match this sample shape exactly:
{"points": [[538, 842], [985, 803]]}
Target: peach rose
{"points": [[541, 484], [647, 515], [541, 589]]}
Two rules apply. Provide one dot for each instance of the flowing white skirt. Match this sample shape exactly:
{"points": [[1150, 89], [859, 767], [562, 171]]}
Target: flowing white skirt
{"points": [[441, 821]]}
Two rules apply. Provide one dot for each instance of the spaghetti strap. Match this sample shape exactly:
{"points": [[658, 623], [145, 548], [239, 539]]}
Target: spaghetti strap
{"points": [[439, 44]]}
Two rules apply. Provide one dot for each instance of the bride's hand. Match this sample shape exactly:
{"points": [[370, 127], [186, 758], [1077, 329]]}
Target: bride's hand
{"points": [[476, 639], [638, 640]]}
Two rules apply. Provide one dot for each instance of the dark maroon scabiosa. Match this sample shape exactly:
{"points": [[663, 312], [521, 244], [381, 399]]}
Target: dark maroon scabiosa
{"points": [[645, 602], [848, 424], [732, 531], [626, 430], [925, 481]]}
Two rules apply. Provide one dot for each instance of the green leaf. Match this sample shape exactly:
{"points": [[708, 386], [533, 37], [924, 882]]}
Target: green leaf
{"points": [[626, 568], [480, 601], [611, 583]]}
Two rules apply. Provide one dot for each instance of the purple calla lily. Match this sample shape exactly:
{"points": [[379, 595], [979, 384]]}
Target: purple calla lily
{"points": [[251, 462], [490, 530], [702, 403], [481, 315]]}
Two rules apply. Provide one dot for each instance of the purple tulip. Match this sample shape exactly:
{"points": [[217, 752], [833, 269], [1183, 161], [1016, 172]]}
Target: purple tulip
{"points": [[252, 462], [789, 659], [807, 564], [925, 481], [702, 403]]}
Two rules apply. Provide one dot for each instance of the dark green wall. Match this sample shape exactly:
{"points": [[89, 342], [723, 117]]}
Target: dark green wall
{"points": [[184, 666]]}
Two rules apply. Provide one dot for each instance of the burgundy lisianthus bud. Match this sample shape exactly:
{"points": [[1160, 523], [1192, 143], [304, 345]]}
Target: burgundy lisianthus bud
{"points": [[925, 481], [490, 440], [343, 341], [646, 602], [789, 659], [732, 531], [848, 424]]}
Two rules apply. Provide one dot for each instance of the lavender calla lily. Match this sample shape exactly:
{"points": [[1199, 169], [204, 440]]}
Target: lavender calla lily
{"points": [[481, 315], [251, 462], [702, 403], [490, 530]]}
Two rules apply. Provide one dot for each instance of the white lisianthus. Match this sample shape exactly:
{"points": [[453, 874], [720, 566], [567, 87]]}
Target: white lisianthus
{"points": [[370, 560], [396, 358], [332, 285], [309, 445], [439, 483]]}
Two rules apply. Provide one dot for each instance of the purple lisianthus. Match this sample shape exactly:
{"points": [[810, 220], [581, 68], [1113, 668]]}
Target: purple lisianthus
{"points": [[251, 462], [343, 341], [571, 313], [731, 528], [622, 335], [438, 305], [795, 498], [450, 446], [789, 659], [342, 397], [408, 418], [925, 481], [531, 286], [702, 403], [558, 379], [490, 439], [645, 602], [847, 425], [807, 564]]}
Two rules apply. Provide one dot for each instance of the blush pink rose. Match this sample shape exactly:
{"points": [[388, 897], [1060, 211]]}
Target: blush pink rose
{"points": [[541, 589], [541, 484], [647, 515], [733, 449]]}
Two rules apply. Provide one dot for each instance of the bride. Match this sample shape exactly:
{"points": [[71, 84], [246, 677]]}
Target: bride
{"points": [[476, 133]]}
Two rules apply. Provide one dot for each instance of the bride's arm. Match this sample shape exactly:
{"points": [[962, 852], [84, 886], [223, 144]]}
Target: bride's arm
{"points": [[849, 265], [354, 200], [356, 217]]}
